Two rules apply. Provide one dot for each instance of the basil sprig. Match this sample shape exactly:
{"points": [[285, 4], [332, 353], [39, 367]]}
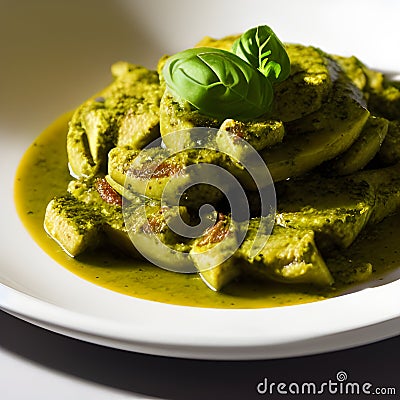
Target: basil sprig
{"points": [[218, 83], [236, 84], [261, 48]]}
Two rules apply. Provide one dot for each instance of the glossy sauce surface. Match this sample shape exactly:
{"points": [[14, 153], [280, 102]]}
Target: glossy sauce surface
{"points": [[43, 174]]}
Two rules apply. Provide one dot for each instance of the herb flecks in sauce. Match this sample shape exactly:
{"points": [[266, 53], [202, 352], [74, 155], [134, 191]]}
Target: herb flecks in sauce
{"points": [[140, 279], [320, 114]]}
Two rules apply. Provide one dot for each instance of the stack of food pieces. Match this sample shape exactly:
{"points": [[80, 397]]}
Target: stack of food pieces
{"points": [[331, 143]]}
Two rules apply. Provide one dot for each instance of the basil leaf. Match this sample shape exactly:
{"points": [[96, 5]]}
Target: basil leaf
{"points": [[218, 83], [261, 48]]}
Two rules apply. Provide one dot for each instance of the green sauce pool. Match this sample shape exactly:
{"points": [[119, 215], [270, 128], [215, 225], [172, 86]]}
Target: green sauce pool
{"points": [[43, 174]]}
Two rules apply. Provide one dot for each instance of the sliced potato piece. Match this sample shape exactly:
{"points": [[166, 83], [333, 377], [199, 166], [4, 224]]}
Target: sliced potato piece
{"points": [[178, 115], [154, 230], [218, 277], [149, 172], [212, 254], [95, 122], [354, 69], [289, 256], [98, 196], [322, 136], [386, 183], [136, 99], [224, 43], [259, 134], [73, 225], [80, 160], [385, 101], [389, 152], [363, 150], [308, 85], [120, 160], [336, 209], [125, 113]]}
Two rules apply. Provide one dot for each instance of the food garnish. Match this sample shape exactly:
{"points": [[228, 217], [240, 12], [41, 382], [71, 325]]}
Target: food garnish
{"points": [[312, 118]]}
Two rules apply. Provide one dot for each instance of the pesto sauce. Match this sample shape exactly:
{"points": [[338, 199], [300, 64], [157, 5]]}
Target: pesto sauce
{"points": [[43, 174]]}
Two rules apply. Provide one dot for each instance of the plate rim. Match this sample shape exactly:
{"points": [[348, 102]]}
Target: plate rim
{"points": [[91, 329], [37, 311], [82, 326], [255, 346]]}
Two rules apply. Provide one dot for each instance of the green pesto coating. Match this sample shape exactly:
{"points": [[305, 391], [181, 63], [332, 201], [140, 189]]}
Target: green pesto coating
{"points": [[320, 136], [336, 209], [72, 225], [289, 255], [363, 150], [125, 113], [259, 133], [319, 119], [389, 152], [307, 87], [178, 115]]}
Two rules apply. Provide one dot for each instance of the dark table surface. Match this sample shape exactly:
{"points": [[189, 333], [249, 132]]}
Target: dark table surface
{"points": [[136, 375]]}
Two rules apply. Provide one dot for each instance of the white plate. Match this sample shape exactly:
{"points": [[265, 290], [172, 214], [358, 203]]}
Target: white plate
{"points": [[51, 68]]}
